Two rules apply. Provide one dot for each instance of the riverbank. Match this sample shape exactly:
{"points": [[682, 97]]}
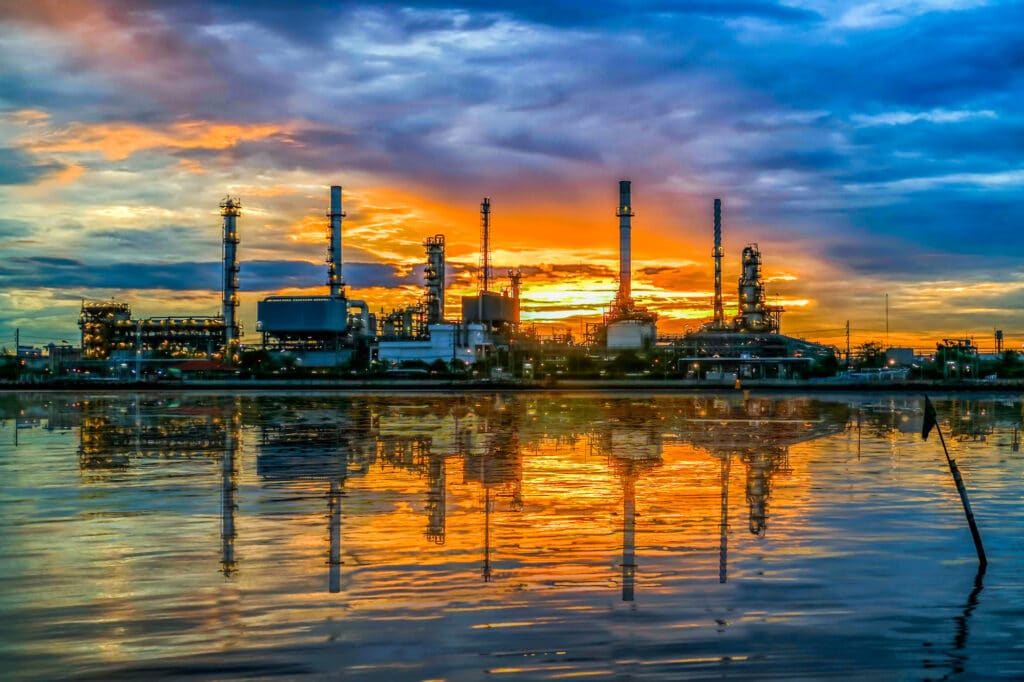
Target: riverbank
{"points": [[378, 384]]}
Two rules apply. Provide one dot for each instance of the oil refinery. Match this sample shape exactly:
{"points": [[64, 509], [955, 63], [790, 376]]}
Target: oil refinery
{"points": [[332, 331]]}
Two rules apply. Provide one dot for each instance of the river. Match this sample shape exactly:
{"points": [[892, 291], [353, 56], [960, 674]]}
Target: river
{"points": [[508, 536]]}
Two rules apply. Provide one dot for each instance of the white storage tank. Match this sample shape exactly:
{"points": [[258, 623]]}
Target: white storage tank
{"points": [[631, 335]]}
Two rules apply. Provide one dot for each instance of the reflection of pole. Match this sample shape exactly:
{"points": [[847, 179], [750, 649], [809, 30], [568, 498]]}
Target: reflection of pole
{"points": [[334, 504], [487, 533], [228, 488], [960, 640], [858, 433], [723, 541], [628, 537]]}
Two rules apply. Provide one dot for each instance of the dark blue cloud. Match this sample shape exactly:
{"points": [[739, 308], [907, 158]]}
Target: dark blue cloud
{"points": [[317, 20], [14, 228], [965, 230], [268, 275], [19, 168], [66, 273]]}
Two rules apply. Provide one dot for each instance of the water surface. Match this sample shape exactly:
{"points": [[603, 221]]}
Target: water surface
{"points": [[507, 536]]}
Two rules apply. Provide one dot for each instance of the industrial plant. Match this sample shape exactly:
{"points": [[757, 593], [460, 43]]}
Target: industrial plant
{"points": [[333, 331], [749, 345]]}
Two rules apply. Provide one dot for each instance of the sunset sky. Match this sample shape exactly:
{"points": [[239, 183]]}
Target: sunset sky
{"points": [[868, 148]]}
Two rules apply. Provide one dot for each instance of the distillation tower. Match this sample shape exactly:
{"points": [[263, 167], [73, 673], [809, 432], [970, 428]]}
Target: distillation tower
{"points": [[434, 276], [230, 208]]}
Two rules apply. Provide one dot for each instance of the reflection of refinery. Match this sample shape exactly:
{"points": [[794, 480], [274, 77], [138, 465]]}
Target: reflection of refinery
{"points": [[302, 443], [333, 330]]}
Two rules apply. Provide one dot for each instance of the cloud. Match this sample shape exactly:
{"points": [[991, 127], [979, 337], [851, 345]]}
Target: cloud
{"points": [[118, 141], [259, 276], [892, 118], [14, 228], [855, 143], [19, 168]]}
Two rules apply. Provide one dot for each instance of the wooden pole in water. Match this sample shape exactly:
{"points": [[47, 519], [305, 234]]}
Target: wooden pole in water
{"points": [[930, 421]]}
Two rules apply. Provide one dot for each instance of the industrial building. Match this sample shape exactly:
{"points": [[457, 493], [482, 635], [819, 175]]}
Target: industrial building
{"points": [[109, 333], [489, 319], [750, 345], [330, 330], [318, 330], [321, 331], [497, 310]]}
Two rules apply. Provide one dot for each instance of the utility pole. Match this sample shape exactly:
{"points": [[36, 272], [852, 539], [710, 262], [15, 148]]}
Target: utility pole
{"points": [[887, 321], [847, 344], [138, 351]]}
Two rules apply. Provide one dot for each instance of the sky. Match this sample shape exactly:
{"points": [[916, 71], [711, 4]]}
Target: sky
{"points": [[872, 150]]}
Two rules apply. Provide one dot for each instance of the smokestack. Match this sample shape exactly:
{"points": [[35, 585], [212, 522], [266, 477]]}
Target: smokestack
{"points": [[229, 209], [485, 245], [334, 278], [624, 213], [719, 312]]}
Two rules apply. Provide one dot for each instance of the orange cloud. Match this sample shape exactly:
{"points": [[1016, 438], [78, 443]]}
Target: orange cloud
{"points": [[118, 141], [191, 166]]}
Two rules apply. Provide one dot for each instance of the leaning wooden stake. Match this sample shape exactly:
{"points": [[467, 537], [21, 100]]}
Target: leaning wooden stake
{"points": [[930, 420]]}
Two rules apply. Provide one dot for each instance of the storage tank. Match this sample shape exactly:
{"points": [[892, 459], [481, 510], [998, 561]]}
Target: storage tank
{"points": [[631, 335]]}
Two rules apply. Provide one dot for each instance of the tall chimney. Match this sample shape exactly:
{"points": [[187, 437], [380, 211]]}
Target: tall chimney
{"points": [[334, 278], [485, 245], [625, 212], [719, 312], [229, 209]]}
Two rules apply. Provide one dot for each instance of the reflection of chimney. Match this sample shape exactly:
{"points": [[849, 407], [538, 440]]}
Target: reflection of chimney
{"points": [[487, 534], [334, 504], [628, 537], [334, 278], [723, 541], [625, 213]]}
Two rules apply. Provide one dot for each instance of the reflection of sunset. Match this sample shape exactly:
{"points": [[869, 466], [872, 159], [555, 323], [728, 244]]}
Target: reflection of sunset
{"points": [[279, 521]]}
